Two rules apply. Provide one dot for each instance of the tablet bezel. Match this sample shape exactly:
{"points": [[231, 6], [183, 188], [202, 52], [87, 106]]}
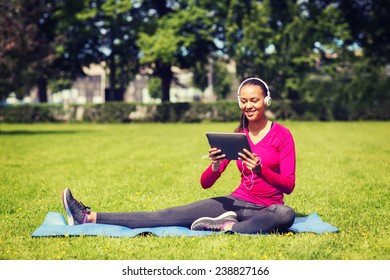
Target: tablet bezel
{"points": [[229, 143]]}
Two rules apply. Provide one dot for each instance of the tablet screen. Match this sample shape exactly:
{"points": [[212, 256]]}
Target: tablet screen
{"points": [[229, 143]]}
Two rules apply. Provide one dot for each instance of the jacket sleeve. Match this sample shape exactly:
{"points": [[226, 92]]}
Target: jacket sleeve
{"points": [[209, 177], [285, 180]]}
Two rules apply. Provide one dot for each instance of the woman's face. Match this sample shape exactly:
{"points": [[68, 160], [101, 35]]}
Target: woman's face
{"points": [[252, 102]]}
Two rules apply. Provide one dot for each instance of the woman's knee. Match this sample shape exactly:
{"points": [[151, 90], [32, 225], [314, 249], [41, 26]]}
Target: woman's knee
{"points": [[286, 214]]}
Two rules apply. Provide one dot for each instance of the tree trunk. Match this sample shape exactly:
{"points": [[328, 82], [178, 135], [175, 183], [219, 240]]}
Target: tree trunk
{"points": [[42, 89], [111, 94], [166, 76]]}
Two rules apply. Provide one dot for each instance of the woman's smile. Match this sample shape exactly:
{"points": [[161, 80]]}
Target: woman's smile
{"points": [[250, 113]]}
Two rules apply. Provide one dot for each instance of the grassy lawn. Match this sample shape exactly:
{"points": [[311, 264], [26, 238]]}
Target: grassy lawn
{"points": [[342, 174]]}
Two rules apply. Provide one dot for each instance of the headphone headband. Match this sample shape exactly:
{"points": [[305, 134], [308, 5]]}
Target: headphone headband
{"points": [[256, 79], [267, 99]]}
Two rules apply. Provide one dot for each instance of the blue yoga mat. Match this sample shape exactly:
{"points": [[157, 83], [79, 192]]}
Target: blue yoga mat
{"points": [[55, 225]]}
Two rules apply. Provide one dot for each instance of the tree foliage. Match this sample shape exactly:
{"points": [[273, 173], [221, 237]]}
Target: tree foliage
{"points": [[28, 44], [310, 51], [180, 37], [221, 78], [369, 23], [101, 32]]}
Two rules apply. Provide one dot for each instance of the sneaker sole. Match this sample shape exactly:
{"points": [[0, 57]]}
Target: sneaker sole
{"points": [[68, 214], [224, 215]]}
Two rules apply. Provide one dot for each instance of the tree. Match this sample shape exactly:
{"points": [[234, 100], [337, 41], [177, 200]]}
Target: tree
{"points": [[222, 79], [248, 37], [27, 46], [179, 36], [100, 31], [284, 41], [369, 21]]}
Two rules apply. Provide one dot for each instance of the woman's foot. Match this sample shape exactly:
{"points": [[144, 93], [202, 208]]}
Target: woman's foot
{"points": [[221, 223], [76, 212]]}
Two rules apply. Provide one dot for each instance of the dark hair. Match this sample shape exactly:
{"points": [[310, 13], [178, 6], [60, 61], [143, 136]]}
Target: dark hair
{"points": [[256, 82], [251, 81], [243, 123]]}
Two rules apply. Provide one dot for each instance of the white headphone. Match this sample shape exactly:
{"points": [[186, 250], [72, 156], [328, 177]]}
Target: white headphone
{"points": [[267, 99]]}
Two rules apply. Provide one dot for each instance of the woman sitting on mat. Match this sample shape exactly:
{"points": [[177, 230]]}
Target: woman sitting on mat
{"points": [[255, 206]]}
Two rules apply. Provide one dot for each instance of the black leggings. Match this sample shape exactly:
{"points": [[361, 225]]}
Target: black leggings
{"points": [[252, 218]]}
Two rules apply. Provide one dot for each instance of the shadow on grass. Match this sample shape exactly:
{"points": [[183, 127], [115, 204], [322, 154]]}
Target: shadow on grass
{"points": [[37, 132], [300, 214]]}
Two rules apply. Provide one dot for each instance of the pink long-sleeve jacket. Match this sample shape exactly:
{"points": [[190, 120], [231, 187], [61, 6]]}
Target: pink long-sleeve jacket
{"points": [[277, 177]]}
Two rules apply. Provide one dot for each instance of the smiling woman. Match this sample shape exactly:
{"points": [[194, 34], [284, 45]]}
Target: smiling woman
{"points": [[256, 205], [342, 176], [253, 97]]}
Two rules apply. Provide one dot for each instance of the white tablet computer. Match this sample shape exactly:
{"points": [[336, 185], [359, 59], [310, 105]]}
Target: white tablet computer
{"points": [[229, 143]]}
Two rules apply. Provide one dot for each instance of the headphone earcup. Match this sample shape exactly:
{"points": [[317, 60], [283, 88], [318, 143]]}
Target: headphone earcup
{"points": [[267, 101], [239, 101]]}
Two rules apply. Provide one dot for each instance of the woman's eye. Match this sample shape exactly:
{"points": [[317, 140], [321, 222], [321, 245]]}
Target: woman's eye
{"points": [[254, 101]]}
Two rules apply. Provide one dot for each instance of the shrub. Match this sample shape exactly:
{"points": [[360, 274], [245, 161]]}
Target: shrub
{"points": [[32, 113], [110, 112], [220, 111]]}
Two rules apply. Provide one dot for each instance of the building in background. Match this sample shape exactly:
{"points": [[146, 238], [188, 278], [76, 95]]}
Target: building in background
{"points": [[87, 89], [92, 88]]}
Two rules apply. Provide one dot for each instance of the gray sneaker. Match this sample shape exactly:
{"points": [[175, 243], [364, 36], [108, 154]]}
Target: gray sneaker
{"points": [[214, 224], [76, 212]]}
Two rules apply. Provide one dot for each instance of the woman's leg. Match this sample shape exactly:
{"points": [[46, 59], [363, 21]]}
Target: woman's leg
{"points": [[175, 216], [252, 218], [261, 219]]}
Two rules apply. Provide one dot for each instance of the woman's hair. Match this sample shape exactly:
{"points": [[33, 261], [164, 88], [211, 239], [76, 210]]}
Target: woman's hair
{"points": [[251, 81]]}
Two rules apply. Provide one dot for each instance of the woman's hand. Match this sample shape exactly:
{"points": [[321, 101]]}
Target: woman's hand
{"points": [[252, 161], [216, 157]]}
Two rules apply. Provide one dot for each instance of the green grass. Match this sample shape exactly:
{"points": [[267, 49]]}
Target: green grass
{"points": [[342, 174]]}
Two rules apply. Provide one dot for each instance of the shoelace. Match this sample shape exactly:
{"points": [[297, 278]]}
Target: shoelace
{"points": [[83, 208]]}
